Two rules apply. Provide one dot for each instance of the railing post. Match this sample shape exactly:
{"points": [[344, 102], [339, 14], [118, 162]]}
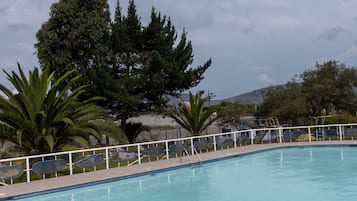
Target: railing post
{"points": [[139, 155], [56, 172], [309, 131], [251, 133], [280, 131], [28, 169], [235, 139], [43, 175], [11, 180], [167, 150], [192, 147], [340, 131], [107, 158], [70, 163], [214, 143]]}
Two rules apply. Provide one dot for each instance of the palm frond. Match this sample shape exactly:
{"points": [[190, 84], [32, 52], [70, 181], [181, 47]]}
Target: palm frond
{"points": [[195, 117], [44, 117]]}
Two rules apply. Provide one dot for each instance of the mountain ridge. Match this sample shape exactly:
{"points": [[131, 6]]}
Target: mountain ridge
{"points": [[255, 97]]}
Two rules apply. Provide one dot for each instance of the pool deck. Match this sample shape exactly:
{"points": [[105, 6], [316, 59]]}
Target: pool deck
{"points": [[100, 175]]}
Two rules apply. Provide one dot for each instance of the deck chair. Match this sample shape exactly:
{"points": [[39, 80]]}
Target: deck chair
{"points": [[177, 148], [49, 166], [88, 160], [224, 142], [10, 172], [202, 144], [153, 151], [119, 156]]}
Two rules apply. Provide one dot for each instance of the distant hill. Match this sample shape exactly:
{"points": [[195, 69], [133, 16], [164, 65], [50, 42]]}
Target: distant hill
{"points": [[252, 98]]}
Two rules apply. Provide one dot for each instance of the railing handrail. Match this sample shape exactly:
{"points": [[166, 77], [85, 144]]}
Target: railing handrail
{"points": [[217, 143], [171, 140]]}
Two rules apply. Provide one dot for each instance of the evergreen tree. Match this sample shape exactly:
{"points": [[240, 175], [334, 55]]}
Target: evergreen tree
{"points": [[167, 66], [330, 87], [287, 103], [126, 101], [76, 36], [148, 65], [134, 67], [231, 112]]}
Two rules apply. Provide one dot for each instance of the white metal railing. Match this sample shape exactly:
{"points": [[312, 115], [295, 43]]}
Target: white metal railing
{"points": [[204, 143]]}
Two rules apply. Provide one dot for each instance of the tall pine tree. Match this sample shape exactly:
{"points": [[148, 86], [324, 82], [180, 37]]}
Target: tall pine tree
{"points": [[127, 99], [150, 63]]}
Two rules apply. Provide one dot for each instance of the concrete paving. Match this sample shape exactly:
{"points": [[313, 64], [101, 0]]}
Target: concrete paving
{"points": [[100, 175]]}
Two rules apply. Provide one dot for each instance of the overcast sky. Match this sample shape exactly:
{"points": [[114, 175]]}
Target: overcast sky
{"points": [[252, 43]]}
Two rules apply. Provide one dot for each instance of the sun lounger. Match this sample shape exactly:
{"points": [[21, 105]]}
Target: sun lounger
{"points": [[224, 142], [49, 166], [10, 172], [88, 160], [153, 151], [120, 156], [202, 144], [177, 148]]}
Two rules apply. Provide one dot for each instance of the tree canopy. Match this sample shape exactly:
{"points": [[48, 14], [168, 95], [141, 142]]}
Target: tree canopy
{"points": [[135, 67], [287, 102], [76, 36], [330, 87], [327, 88], [232, 112]]}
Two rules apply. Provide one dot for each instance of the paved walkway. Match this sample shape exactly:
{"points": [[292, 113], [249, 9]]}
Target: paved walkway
{"points": [[83, 178]]}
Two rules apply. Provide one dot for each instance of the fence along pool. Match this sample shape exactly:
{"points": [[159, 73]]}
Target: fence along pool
{"points": [[29, 168]]}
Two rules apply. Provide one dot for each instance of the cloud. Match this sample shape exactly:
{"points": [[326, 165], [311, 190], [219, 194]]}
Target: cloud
{"points": [[332, 33], [250, 39], [264, 78], [3, 9], [15, 14], [26, 47], [261, 68], [194, 16], [248, 29], [349, 56], [18, 27]]}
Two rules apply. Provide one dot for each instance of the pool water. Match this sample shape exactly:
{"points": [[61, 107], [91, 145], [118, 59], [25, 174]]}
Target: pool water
{"points": [[291, 174]]}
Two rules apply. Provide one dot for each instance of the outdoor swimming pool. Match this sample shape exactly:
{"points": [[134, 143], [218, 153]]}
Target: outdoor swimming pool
{"points": [[305, 173]]}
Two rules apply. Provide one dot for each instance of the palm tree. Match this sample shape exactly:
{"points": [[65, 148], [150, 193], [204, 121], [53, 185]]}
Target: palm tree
{"points": [[45, 115], [133, 130], [195, 117]]}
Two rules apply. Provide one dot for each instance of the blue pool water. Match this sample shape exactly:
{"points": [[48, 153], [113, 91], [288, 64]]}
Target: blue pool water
{"points": [[292, 174]]}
